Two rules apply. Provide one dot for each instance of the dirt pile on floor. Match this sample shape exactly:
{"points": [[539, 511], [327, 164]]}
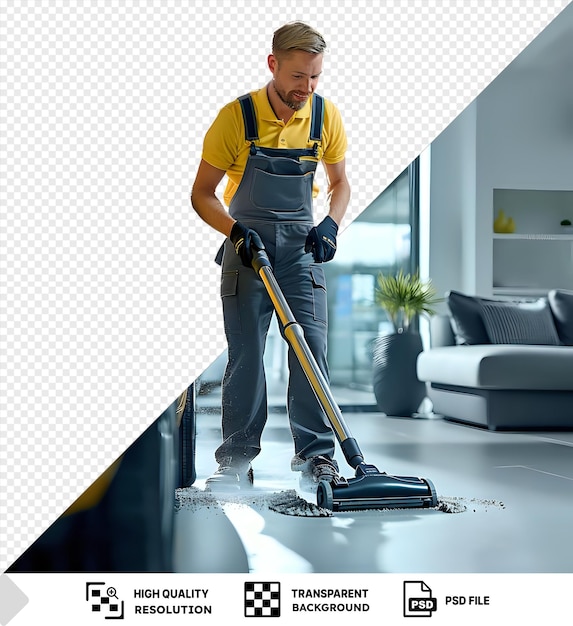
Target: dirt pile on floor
{"points": [[285, 502], [288, 502], [460, 505]]}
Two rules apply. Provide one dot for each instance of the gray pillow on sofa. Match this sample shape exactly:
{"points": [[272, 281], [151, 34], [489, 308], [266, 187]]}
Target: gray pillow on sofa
{"points": [[467, 319], [561, 303], [520, 323]]}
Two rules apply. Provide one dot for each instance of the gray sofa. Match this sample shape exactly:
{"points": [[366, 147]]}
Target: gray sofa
{"points": [[502, 365]]}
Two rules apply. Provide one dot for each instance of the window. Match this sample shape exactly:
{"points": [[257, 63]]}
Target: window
{"points": [[383, 238]]}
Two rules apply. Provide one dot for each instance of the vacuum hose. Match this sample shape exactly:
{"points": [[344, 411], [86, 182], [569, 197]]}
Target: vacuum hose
{"points": [[295, 336]]}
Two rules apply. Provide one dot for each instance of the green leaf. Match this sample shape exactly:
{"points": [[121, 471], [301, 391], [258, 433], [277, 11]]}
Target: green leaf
{"points": [[405, 296]]}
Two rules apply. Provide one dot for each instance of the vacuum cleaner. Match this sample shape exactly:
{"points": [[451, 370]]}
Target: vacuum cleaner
{"points": [[369, 488]]}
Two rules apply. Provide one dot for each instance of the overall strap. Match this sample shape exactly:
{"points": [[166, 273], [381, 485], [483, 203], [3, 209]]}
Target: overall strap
{"points": [[248, 109], [250, 119], [317, 117]]}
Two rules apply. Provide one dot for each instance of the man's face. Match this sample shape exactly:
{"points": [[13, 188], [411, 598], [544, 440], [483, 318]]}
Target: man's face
{"points": [[295, 76]]}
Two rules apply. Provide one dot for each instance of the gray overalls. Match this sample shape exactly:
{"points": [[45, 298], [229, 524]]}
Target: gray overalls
{"points": [[274, 198]]}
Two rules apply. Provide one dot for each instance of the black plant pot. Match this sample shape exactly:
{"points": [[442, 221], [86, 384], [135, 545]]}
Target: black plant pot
{"points": [[397, 389]]}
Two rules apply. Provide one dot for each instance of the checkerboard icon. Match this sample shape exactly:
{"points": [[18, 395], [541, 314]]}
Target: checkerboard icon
{"points": [[262, 599]]}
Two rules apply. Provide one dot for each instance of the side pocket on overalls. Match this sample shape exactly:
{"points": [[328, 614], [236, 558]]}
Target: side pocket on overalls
{"points": [[319, 293], [231, 317]]}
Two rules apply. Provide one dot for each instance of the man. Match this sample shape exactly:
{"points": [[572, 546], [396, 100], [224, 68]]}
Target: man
{"points": [[268, 144]]}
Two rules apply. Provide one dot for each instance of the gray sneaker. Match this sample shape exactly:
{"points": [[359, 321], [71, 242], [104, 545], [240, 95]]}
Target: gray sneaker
{"points": [[230, 477], [314, 470]]}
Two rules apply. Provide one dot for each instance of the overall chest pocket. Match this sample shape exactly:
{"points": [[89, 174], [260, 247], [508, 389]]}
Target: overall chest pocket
{"points": [[281, 192]]}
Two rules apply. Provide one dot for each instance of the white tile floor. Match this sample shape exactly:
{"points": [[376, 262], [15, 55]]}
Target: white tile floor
{"points": [[517, 489]]}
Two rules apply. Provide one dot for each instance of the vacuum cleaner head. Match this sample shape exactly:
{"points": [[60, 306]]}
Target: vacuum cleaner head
{"points": [[372, 489]]}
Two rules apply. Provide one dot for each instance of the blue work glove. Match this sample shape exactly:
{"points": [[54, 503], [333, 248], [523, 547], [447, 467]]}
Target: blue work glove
{"points": [[321, 240], [245, 240]]}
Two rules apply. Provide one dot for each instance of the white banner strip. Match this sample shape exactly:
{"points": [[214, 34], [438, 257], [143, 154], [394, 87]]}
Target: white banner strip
{"points": [[95, 599]]}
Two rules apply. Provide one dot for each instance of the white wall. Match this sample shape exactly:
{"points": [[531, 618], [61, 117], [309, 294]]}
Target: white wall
{"points": [[517, 134], [452, 205], [524, 141]]}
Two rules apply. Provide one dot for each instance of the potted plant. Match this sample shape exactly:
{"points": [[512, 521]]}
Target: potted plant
{"points": [[404, 297]]}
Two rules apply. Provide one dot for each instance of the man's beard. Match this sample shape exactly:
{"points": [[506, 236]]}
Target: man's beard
{"points": [[295, 105]]}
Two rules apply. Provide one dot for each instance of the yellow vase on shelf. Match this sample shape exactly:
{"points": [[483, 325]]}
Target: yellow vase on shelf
{"points": [[499, 222], [503, 224]]}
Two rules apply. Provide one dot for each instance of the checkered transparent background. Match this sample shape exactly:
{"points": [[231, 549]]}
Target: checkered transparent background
{"points": [[110, 302]]}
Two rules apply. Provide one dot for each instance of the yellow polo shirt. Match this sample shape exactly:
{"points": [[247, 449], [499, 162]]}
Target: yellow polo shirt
{"points": [[225, 147]]}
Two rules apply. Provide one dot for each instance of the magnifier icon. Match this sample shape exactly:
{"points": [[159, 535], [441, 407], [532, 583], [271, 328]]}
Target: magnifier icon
{"points": [[111, 592]]}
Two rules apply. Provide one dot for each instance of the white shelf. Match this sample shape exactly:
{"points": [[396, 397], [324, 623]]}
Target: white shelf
{"points": [[534, 236], [526, 292], [539, 256]]}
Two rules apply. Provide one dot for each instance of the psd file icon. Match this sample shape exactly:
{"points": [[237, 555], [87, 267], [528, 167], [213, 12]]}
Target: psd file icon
{"points": [[418, 599]]}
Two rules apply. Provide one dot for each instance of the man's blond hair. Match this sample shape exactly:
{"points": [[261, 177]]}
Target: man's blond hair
{"points": [[297, 36]]}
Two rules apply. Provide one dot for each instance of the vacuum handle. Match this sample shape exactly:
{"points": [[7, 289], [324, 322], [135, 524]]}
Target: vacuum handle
{"points": [[260, 258]]}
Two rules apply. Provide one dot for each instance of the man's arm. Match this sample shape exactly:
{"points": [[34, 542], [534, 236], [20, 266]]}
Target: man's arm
{"points": [[338, 190], [205, 202]]}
